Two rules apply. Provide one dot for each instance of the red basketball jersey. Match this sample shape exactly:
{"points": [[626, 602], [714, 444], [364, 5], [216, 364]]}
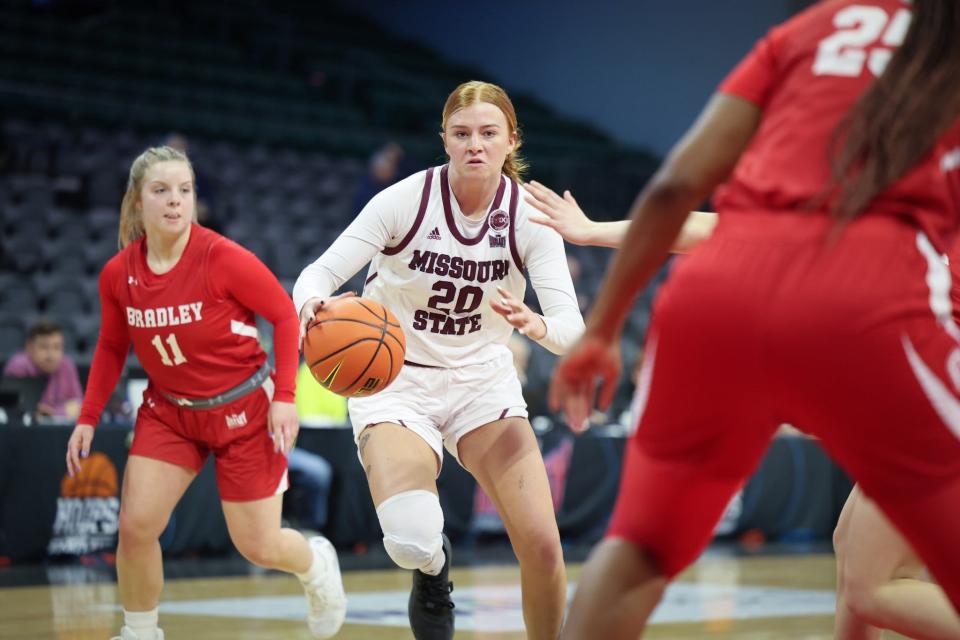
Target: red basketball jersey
{"points": [[806, 74], [192, 328]]}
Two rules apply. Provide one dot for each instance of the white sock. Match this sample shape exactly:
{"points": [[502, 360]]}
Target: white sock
{"points": [[142, 623], [317, 567], [436, 563]]}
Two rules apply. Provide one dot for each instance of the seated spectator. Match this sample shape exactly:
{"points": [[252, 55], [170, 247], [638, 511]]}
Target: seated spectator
{"points": [[43, 356], [310, 479], [384, 169]]}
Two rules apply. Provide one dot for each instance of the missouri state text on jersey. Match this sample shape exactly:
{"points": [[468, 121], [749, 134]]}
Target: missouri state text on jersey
{"points": [[465, 299], [456, 267], [164, 316]]}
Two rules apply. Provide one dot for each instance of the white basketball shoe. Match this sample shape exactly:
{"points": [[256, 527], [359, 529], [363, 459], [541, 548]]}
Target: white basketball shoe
{"points": [[326, 600]]}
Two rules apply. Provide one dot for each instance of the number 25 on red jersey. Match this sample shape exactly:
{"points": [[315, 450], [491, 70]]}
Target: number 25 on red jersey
{"points": [[866, 35]]}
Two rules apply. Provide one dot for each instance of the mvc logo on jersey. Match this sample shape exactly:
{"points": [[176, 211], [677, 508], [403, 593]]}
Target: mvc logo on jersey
{"points": [[499, 220], [434, 235], [237, 420]]}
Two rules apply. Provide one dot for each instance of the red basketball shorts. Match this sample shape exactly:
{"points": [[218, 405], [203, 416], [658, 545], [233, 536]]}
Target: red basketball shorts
{"points": [[236, 434], [770, 321]]}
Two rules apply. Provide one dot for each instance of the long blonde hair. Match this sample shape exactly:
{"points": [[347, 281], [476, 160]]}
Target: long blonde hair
{"points": [[131, 221], [470, 93]]}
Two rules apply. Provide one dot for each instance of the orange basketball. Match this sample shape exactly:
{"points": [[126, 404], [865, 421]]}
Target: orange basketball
{"points": [[97, 479], [354, 347]]}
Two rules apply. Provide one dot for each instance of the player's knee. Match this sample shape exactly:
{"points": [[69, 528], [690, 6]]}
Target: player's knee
{"points": [[258, 552], [839, 535], [860, 601], [858, 594], [138, 527], [541, 550], [412, 522]]}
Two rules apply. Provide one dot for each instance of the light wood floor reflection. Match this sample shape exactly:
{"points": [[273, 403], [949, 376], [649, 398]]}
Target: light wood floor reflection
{"points": [[719, 597]]}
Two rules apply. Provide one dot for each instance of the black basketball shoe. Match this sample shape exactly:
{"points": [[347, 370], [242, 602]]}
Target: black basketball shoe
{"points": [[430, 608]]}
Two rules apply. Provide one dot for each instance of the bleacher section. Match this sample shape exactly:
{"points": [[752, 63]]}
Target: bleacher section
{"points": [[281, 103]]}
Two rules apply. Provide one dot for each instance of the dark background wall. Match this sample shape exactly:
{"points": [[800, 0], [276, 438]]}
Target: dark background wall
{"points": [[639, 69]]}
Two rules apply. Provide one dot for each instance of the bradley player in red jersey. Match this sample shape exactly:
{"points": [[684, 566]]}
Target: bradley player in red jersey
{"points": [[185, 298]]}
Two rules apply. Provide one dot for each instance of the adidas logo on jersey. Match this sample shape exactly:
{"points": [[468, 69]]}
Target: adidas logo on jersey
{"points": [[497, 242], [434, 235]]}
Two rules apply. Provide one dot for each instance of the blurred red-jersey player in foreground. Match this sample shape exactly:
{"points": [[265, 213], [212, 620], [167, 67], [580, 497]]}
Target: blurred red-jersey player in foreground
{"points": [[822, 299]]}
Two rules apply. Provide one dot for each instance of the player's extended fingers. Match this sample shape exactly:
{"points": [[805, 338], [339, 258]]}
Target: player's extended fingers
{"points": [[73, 455], [290, 436], [540, 206], [271, 429], [86, 439], [558, 389], [576, 408], [76, 450], [546, 193], [73, 460], [507, 299], [304, 325], [518, 322], [500, 308], [554, 198], [608, 388], [539, 199], [544, 221]]}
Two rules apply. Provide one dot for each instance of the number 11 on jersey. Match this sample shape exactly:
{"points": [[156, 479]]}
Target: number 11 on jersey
{"points": [[174, 348]]}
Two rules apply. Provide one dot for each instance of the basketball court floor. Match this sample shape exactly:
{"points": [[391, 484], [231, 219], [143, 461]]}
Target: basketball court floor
{"points": [[724, 595]]}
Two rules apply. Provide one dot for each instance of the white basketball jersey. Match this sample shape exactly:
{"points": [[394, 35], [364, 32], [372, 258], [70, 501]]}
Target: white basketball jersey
{"points": [[439, 279]]}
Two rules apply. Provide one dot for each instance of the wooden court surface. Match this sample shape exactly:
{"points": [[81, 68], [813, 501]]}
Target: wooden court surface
{"points": [[719, 597]]}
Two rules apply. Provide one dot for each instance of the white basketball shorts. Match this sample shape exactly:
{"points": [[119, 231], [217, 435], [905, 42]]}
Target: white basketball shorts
{"points": [[442, 405]]}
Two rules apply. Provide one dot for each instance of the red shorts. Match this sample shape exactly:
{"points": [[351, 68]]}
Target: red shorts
{"points": [[767, 323], [236, 433]]}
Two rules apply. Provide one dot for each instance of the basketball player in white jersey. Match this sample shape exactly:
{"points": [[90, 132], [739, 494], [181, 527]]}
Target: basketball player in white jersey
{"points": [[449, 249]]}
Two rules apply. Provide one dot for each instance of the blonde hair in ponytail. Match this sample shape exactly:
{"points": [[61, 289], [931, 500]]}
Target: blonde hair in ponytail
{"points": [[131, 222], [475, 91]]}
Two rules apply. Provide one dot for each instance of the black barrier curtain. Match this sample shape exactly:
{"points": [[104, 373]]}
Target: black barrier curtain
{"points": [[795, 495]]}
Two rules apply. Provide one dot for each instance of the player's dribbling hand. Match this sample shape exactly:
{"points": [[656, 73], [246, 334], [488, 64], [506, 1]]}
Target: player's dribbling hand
{"points": [[574, 385], [310, 309], [563, 215], [78, 447], [283, 425], [519, 315]]}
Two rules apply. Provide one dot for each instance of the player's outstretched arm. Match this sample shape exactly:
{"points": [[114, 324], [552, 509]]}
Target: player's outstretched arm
{"points": [[564, 215]]}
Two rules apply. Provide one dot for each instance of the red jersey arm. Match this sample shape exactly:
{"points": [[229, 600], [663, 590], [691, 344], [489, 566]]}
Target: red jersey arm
{"points": [[237, 273], [113, 344], [756, 75]]}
